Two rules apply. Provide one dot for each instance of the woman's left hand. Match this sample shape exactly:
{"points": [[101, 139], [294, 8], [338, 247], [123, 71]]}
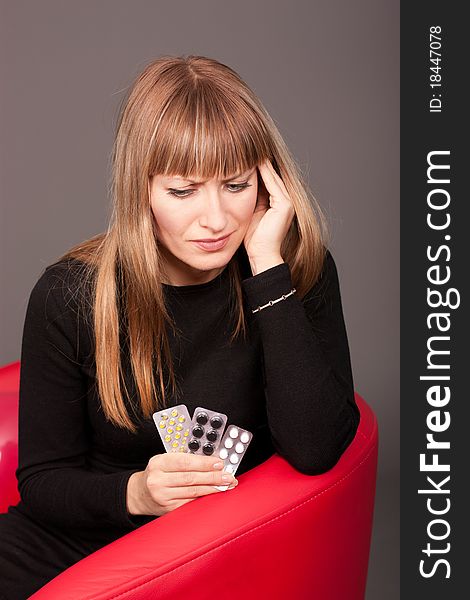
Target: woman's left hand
{"points": [[271, 219]]}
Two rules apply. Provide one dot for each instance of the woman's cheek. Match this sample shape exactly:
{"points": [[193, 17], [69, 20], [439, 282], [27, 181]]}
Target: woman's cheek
{"points": [[168, 218]]}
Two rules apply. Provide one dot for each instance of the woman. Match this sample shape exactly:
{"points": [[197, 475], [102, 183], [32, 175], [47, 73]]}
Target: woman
{"points": [[156, 312]]}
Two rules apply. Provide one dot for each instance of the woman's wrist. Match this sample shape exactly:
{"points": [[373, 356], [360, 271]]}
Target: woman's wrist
{"points": [[259, 264]]}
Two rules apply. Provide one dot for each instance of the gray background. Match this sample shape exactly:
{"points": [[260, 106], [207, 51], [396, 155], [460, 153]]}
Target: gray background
{"points": [[328, 72]]}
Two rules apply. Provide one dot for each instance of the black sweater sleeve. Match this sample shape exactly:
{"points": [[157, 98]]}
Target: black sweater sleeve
{"points": [[312, 414], [53, 479]]}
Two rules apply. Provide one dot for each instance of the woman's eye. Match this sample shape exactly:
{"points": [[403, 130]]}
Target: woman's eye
{"points": [[179, 193], [239, 186], [233, 187]]}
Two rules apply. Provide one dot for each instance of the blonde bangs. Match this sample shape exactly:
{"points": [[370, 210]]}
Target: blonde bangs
{"points": [[206, 133]]}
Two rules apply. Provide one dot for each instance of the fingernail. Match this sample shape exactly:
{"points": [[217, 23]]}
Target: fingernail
{"points": [[218, 465]]}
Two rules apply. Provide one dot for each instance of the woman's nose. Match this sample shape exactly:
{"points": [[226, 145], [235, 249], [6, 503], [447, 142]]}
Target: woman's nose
{"points": [[213, 215]]}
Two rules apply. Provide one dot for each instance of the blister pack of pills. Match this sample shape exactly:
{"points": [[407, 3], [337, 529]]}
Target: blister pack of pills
{"points": [[206, 430], [232, 449], [203, 434], [173, 425]]}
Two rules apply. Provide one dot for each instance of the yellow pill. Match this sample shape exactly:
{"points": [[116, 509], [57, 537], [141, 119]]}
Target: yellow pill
{"points": [[181, 449], [168, 438], [162, 424], [164, 416], [186, 433], [170, 430], [175, 444], [183, 441], [174, 412], [178, 428], [181, 419], [171, 422], [177, 436]]}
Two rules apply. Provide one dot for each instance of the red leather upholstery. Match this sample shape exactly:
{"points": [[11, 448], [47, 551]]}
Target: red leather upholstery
{"points": [[279, 534], [9, 389]]}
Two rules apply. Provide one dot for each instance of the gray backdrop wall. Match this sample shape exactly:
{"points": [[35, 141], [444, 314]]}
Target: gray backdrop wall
{"points": [[328, 72]]}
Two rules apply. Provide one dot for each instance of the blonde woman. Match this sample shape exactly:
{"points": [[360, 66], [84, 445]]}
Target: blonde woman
{"points": [[211, 221]]}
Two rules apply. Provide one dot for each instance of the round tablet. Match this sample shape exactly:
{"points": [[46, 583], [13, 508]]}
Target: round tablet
{"points": [[212, 435], [234, 458], [194, 445], [239, 448], [233, 432], [216, 422], [223, 454], [245, 437], [208, 449], [198, 431], [229, 469], [202, 418], [228, 443]]}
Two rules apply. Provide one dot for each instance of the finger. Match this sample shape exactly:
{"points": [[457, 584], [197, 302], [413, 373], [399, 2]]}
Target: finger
{"points": [[186, 461], [271, 180], [195, 491], [277, 178], [191, 478], [278, 198]]}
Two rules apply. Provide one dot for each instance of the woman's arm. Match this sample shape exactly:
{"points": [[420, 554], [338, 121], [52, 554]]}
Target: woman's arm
{"points": [[53, 478], [312, 414]]}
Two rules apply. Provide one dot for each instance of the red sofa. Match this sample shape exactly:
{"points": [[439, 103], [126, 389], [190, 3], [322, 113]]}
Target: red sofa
{"points": [[279, 535]]}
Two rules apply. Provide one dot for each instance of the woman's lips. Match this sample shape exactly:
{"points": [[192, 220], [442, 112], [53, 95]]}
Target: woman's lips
{"points": [[213, 246]]}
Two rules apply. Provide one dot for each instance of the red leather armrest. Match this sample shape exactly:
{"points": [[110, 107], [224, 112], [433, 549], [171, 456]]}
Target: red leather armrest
{"points": [[9, 387], [278, 534]]}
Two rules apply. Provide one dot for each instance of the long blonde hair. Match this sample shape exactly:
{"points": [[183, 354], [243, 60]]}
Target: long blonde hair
{"points": [[187, 116]]}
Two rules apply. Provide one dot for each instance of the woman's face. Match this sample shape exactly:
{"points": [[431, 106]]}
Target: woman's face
{"points": [[186, 211]]}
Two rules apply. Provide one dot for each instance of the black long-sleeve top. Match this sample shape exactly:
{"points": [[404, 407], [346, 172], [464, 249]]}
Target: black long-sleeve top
{"points": [[290, 383]]}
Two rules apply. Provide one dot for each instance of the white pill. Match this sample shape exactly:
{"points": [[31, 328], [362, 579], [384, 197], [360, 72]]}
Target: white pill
{"points": [[244, 437], [228, 443], [234, 458], [233, 432], [229, 469], [223, 453], [239, 448]]}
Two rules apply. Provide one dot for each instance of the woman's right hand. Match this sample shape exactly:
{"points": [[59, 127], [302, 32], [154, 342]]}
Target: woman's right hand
{"points": [[173, 479]]}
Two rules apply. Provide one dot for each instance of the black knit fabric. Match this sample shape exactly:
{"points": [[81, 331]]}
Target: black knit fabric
{"points": [[290, 384]]}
